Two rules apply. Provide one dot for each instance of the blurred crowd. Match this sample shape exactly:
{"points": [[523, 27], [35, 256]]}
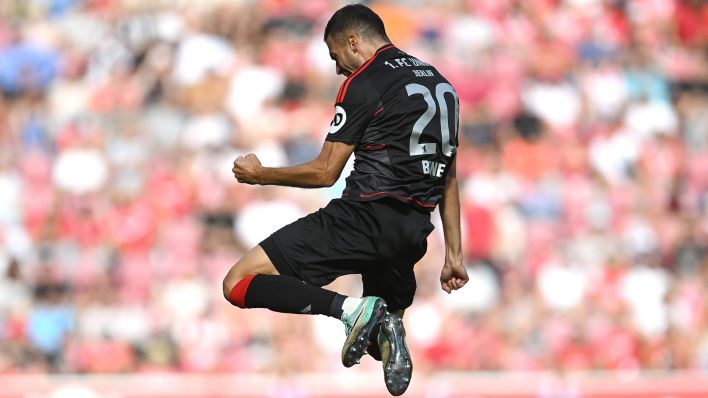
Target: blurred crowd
{"points": [[583, 167]]}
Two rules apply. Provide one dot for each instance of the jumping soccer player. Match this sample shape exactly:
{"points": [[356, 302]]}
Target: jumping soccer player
{"points": [[399, 116]]}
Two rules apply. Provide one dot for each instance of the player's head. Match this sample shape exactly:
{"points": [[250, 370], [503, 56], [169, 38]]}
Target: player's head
{"points": [[353, 34]]}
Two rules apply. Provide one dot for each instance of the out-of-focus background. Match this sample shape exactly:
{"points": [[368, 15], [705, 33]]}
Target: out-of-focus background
{"points": [[583, 166]]}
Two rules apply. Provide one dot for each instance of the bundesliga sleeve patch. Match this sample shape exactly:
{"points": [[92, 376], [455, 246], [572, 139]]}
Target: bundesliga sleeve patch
{"points": [[340, 118]]}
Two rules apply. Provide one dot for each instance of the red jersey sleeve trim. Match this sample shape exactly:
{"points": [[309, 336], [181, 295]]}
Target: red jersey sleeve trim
{"points": [[341, 88]]}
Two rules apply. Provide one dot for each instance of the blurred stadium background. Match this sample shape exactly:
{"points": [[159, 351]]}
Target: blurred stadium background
{"points": [[584, 172]]}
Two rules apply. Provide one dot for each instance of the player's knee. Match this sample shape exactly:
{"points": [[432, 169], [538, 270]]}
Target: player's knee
{"points": [[235, 291], [227, 285], [239, 276], [235, 284]]}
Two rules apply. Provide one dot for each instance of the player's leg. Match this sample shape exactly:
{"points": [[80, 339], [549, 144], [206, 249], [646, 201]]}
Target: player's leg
{"points": [[254, 282], [394, 280], [285, 272], [397, 286], [398, 293]]}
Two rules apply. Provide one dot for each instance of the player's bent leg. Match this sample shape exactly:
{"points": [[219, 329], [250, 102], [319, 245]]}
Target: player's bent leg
{"points": [[254, 282]]}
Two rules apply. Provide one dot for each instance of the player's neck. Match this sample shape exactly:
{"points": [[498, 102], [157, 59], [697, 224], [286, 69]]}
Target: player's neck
{"points": [[369, 49]]}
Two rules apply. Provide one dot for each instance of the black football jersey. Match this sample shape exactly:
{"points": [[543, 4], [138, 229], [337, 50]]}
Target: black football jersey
{"points": [[402, 115]]}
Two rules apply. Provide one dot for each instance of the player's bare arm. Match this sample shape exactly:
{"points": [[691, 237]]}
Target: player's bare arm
{"points": [[453, 275], [323, 171]]}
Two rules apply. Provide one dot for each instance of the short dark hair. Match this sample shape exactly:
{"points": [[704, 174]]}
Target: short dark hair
{"points": [[356, 17]]}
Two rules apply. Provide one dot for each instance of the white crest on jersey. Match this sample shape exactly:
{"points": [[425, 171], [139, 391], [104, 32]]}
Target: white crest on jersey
{"points": [[340, 117]]}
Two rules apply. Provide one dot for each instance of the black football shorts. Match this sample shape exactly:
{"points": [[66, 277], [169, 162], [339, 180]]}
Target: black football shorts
{"points": [[381, 240]]}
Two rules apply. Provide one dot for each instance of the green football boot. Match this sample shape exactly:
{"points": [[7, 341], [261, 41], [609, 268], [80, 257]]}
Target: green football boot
{"points": [[358, 326]]}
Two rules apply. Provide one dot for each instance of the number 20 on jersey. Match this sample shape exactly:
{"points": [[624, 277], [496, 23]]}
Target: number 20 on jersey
{"points": [[429, 167]]}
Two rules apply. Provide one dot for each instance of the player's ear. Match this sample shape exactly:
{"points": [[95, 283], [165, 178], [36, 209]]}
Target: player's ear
{"points": [[353, 42]]}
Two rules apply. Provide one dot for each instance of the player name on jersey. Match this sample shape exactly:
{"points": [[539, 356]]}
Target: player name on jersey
{"points": [[433, 169]]}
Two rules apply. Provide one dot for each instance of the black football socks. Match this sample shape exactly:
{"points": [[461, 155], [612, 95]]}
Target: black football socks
{"points": [[285, 294]]}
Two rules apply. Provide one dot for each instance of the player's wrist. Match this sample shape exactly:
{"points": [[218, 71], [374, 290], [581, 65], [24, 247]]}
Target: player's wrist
{"points": [[453, 252], [260, 176], [453, 255]]}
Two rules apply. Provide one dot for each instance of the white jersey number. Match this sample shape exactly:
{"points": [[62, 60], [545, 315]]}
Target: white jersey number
{"points": [[416, 148]]}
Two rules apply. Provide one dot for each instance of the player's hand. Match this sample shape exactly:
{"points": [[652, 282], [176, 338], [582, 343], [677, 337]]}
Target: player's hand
{"points": [[453, 275], [247, 169]]}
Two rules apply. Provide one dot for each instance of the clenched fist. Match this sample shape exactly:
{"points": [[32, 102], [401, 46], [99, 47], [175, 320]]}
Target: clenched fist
{"points": [[247, 169], [453, 276]]}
